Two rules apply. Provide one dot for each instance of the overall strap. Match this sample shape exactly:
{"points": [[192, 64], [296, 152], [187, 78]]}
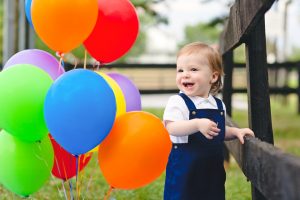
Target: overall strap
{"points": [[188, 101], [219, 103]]}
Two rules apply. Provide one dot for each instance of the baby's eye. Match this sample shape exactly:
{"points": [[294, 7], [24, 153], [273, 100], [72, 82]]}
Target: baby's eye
{"points": [[179, 70], [194, 69]]}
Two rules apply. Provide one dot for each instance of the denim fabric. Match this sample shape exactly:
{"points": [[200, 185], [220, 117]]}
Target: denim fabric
{"points": [[195, 169]]}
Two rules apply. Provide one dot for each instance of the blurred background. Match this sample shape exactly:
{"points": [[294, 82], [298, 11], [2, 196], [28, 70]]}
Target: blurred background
{"points": [[165, 26]]}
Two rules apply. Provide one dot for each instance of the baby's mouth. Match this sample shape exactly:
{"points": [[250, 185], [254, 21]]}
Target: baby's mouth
{"points": [[187, 84]]}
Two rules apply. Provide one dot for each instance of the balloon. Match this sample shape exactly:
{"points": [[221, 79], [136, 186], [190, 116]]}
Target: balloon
{"points": [[63, 24], [25, 167], [115, 31], [28, 11], [80, 110], [39, 58], [119, 96], [23, 89], [130, 91], [65, 163], [135, 152], [120, 99]]}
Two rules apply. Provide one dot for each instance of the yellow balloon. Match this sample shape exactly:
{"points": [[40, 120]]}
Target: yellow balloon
{"points": [[120, 99]]}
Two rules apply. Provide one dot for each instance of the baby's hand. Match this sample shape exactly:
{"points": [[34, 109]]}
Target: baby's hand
{"points": [[208, 128], [242, 132]]}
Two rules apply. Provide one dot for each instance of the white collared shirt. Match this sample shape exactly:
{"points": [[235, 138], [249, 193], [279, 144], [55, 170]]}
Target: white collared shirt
{"points": [[176, 110]]}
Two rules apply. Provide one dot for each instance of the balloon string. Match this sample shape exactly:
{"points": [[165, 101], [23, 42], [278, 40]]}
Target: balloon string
{"points": [[61, 60], [96, 65], [65, 193], [85, 59], [65, 177], [59, 172], [77, 181], [71, 192], [108, 192], [57, 166], [91, 176], [81, 173], [75, 60], [79, 178], [45, 162]]}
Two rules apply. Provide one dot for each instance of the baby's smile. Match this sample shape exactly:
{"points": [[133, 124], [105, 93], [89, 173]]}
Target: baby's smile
{"points": [[187, 84]]}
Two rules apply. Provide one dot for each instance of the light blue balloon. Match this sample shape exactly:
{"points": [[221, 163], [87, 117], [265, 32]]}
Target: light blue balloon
{"points": [[28, 11], [79, 110]]}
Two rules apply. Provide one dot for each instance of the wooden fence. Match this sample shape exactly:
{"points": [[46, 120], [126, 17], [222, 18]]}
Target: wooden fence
{"points": [[273, 174]]}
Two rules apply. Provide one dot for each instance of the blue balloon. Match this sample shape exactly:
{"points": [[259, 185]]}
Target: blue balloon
{"points": [[80, 110], [28, 11]]}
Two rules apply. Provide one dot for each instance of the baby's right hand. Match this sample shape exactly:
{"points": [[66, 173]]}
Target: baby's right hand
{"points": [[208, 128]]}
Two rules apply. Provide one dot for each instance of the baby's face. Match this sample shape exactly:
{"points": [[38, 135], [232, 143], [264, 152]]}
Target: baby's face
{"points": [[194, 75]]}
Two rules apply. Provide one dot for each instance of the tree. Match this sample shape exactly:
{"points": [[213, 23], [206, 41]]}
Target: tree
{"points": [[201, 32]]}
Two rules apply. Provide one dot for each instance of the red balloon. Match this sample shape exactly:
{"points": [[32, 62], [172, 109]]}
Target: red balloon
{"points": [[65, 163], [115, 31]]}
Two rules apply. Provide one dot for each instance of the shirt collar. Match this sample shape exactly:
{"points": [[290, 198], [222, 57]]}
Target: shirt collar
{"points": [[199, 100]]}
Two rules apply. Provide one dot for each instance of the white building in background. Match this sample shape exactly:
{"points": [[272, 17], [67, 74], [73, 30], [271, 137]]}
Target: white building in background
{"points": [[278, 24], [161, 48]]}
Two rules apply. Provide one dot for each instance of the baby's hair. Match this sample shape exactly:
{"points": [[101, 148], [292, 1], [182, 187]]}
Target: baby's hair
{"points": [[213, 58]]}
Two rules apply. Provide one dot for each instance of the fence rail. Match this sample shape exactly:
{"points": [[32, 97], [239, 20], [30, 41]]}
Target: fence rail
{"points": [[273, 172]]}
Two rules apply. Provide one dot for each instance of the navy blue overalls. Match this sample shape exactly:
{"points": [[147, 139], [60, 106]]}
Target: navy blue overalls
{"points": [[195, 169]]}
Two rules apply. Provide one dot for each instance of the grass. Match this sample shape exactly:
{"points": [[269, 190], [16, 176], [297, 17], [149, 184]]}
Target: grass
{"points": [[286, 128], [285, 123]]}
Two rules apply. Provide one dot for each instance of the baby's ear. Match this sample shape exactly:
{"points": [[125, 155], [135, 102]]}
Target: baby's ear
{"points": [[215, 76]]}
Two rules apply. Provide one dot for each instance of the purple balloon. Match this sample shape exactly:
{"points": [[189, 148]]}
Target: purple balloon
{"points": [[39, 58], [130, 91]]}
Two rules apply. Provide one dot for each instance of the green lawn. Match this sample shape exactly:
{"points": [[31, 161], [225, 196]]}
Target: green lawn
{"points": [[92, 185]]}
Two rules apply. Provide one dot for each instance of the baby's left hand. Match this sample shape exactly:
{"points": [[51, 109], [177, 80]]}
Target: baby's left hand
{"points": [[242, 132]]}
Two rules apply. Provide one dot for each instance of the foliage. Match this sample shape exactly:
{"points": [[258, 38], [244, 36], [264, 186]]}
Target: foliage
{"points": [[239, 54], [201, 32], [295, 54]]}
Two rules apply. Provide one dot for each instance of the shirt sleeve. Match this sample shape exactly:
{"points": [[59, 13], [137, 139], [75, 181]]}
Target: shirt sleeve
{"points": [[224, 107], [176, 109]]}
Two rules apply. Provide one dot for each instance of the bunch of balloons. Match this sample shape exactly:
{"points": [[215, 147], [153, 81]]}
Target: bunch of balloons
{"points": [[108, 29], [53, 120]]}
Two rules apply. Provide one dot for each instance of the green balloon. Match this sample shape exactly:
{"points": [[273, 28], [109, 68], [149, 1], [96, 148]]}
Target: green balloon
{"points": [[25, 166], [23, 90]]}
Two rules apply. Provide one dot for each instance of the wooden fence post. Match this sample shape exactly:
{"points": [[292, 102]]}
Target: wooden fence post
{"points": [[227, 88], [258, 89]]}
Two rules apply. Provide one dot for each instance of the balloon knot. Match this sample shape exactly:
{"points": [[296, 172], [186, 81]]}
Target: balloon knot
{"points": [[59, 54]]}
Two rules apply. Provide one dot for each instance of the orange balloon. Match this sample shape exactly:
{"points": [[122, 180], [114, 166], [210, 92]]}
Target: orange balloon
{"points": [[135, 152], [64, 24]]}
